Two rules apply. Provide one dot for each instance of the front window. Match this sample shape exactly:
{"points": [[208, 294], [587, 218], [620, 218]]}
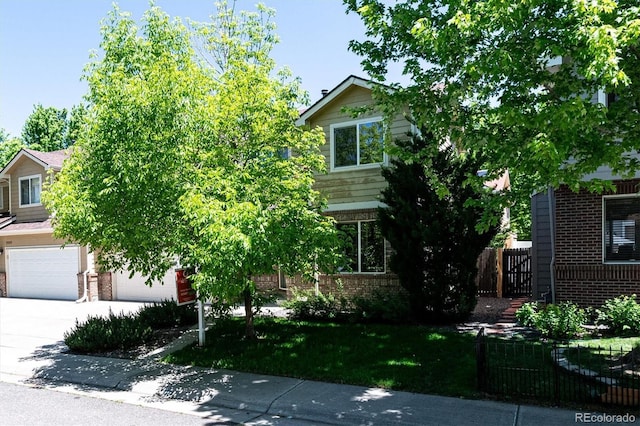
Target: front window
{"points": [[364, 248], [30, 191], [357, 144], [621, 228]]}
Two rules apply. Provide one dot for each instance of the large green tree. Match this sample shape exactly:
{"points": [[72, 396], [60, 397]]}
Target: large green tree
{"points": [[50, 129], [182, 159], [9, 147], [432, 225], [487, 76]]}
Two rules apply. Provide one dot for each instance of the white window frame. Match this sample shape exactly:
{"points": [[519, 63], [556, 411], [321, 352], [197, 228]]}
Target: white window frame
{"points": [[1, 198], [29, 178], [604, 225], [282, 279], [357, 166], [359, 251]]}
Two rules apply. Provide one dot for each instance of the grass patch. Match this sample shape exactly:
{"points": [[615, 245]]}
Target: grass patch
{"points": [[409, 358], [606, 357]]}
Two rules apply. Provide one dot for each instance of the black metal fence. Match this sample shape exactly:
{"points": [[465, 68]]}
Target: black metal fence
{"points": [[558, 373]]}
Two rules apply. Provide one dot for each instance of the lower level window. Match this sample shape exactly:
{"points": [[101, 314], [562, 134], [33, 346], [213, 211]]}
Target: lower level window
{"points": [[364, 246], [622, 228]]}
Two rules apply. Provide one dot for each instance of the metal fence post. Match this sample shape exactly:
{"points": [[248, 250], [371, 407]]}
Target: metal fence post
{"points": [[481, 360]]}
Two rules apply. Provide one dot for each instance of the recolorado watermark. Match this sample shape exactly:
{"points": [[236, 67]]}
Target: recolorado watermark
{"points": [[604, 418]]}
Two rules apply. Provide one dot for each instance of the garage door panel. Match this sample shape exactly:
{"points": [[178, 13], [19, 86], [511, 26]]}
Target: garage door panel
{"points": [[43, 272], [134, 288]]}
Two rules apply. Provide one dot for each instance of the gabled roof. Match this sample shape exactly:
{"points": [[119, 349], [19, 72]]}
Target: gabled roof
{"points": [[48, 160], [352, 80]]}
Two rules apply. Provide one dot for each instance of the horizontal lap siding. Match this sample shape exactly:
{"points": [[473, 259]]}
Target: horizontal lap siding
{"points": [[26, 167], [355, 185], [580, 274]]}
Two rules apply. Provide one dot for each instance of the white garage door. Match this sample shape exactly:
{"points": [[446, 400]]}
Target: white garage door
{"points": [[135, 289], [43, 272]]}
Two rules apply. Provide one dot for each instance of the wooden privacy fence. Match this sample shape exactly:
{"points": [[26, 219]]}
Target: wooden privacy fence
{"points": [[504, 272]]}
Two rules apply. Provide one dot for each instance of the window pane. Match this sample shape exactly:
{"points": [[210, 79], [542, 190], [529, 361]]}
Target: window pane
{"points": [[24, 192], [35, 190], [349, 231], [372, 246], [371, 142], [622, 228], [346, 146]]}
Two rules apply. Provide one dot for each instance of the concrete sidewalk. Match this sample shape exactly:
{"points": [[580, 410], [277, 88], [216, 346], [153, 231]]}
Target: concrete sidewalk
{"points": [[230, 397], [32, 353], [253, 399]]}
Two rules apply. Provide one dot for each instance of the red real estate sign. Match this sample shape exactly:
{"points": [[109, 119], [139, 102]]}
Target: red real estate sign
{"points": [[186, 294]]}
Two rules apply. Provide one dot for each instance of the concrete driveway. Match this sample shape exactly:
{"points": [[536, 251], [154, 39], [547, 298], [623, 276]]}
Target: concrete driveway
{"points": [[32, 330]]}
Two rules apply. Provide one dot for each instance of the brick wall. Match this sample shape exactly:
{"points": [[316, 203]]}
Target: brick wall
{"points": [[349, 284], [105, 289], [97, 285], [580, 275], [3, 284]]}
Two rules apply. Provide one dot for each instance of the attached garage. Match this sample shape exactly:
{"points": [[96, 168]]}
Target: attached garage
{"points": [[134, 288], [43, 272]]}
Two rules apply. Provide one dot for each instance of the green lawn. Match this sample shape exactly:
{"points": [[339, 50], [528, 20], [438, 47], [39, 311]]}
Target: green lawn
{"points": [[409, 358]]}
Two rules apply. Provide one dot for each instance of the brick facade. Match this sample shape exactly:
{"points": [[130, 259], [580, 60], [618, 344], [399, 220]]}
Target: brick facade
{"points": [[99, 286], [3, 284], [580, 274], [348, 284]]}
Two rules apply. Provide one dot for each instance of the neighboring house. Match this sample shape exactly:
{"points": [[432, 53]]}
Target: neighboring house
{"points": [[586, 246], [34, 264], [352, 185]]}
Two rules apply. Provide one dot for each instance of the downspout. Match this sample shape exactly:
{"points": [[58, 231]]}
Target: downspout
{"points": [[552, 231], [90, 267]]}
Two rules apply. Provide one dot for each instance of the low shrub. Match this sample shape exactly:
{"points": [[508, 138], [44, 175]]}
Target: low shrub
{"points": [[527, 313], [621, 315], [99, 334], [561, 321], [382, 307], [168, 314], [309, 305]]}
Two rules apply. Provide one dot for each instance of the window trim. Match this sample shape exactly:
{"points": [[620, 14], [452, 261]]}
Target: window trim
{"points": [[28, 178], [359, 251], [356, 123], [604, 226]]}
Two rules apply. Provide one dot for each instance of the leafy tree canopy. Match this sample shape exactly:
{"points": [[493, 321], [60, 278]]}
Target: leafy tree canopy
{"points": [[184, 159], [9, 147], [51, 129], [482, 74]]}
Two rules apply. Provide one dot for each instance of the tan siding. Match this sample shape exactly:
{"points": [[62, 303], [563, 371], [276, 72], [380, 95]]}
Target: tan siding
{"points": [[26, 167], [353, 185], [4, 193]]}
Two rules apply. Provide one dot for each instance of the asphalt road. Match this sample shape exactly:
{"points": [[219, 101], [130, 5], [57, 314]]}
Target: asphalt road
{"points": [[22, 405]]}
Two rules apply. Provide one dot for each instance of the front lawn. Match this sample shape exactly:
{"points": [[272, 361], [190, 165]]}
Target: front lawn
{"points": [[408, 358]]}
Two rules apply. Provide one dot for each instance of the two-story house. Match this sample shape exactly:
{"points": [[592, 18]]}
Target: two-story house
{"points": [[354, 154], [34, 264]]}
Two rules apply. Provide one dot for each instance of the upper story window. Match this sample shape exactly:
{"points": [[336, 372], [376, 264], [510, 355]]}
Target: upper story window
{"points": [[357, 144], [30, 187], [621, 228]]}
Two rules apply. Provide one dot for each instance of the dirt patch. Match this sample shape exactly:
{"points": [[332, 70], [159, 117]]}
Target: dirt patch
{"points": [[489, 309]]}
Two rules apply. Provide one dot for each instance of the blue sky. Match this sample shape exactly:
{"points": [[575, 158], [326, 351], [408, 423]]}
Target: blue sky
{"points": [[44, 45]]}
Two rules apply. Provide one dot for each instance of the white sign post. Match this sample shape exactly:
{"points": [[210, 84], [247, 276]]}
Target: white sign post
{"points": [[200, 323]]}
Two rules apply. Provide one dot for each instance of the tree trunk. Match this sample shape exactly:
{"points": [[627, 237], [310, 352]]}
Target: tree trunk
{"points": [[249, 331]]}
